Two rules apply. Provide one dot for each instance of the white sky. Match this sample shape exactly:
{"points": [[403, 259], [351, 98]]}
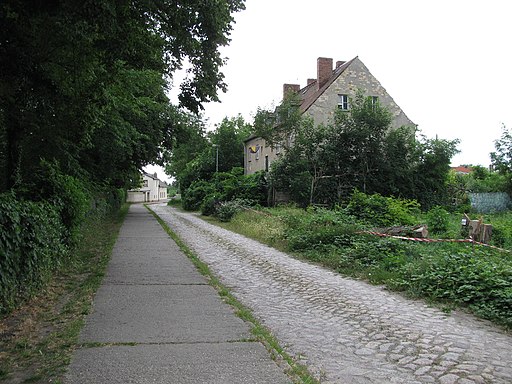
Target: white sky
{"points": [[446, 63]]}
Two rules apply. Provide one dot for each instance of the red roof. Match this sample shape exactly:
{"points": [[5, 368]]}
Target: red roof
{"points": [[462, 169]]}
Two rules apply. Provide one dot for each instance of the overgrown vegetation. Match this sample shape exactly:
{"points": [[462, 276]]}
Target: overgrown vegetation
{"points": [[39, 238], [38, 338], [473, 277], [224, 192], [323, 164]]}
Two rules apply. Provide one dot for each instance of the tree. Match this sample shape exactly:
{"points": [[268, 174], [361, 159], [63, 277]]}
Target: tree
{"points": [[280, 125], [432, 171], [194, 155], [84, 83], [325, 164], [502, 157], [229, 135]]}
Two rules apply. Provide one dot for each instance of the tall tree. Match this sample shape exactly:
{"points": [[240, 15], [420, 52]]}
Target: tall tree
{"points": [[502, 157], [324, 164], [83, 83], [194, 155]]}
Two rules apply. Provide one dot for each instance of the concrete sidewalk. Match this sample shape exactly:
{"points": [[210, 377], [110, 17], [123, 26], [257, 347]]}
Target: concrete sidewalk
{"points": [[155, 319]]}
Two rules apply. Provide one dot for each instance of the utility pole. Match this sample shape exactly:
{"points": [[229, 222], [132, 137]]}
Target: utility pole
{"points": [[216, 146]]}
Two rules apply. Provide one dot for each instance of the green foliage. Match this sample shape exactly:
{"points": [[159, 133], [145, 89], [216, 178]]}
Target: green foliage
{"points": [[193, 197], [209, 205], [224, 187], [227, 209], [84, 83], [501, 229], [319, 228], [502, 157], [359, 150], [31, 247], [69, 195], [278, 125], [377, 210], [194, 156], [482, 180], [83, 108], [431, 174], [479, 280], [438, 219]]}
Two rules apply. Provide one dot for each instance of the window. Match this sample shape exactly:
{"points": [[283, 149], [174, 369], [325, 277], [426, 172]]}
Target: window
{"points": [[343, 102], [144, 183], [266, 163], [375, 100]]}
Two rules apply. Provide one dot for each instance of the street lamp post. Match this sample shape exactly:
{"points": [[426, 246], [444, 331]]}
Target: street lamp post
{"points": [[216, 146]]}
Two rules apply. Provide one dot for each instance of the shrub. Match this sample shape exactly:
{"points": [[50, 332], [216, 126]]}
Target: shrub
{"points": [[318, 228], [438, 219], [228, 209], [210, 204], [378, 210], [477, 280], [70, 195], [194, 195]]}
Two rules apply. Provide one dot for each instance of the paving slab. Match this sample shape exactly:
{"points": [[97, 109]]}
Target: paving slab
{"points": [[155, 319], [161, 314], [223, 363], [160, 262]]}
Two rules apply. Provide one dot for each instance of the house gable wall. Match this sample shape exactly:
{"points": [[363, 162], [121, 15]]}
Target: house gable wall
{"points": [[355, 77]]}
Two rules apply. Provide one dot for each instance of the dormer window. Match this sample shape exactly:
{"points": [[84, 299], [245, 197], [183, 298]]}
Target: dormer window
{"points": [[343, 102]]}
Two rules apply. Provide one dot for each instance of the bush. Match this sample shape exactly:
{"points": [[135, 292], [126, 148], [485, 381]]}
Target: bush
{"points": [[194, 195], [228, 209], [31, 247], [438, 220], [225, 186], [70, 195], [377, 210], [210, 204], [318, 228]]}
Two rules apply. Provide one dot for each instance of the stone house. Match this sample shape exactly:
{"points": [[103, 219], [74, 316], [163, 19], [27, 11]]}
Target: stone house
{"points": [[331, 89], [152, 189]]}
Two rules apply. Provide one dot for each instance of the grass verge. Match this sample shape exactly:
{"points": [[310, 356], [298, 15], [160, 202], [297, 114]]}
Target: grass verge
{"points": [[297, 371], [38, 339]]}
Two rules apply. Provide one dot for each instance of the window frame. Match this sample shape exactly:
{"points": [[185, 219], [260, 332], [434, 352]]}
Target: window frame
{"points": [[343, 102]]}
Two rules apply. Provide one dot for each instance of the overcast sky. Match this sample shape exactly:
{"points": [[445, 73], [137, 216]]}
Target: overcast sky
{"points": [[447, 64]]}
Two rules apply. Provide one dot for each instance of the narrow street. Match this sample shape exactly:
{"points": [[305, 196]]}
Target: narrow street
{"points": [[347, 331]]}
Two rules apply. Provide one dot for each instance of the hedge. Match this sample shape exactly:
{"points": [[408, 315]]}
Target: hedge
{"points": [[31, 247]]}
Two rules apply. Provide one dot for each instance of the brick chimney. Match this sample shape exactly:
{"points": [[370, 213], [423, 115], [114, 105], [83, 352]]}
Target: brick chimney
{"points": [[340, 63], [324, 70], [290, 88]]}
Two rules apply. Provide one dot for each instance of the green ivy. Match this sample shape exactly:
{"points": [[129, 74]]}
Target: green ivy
{"points": [[31, 247]]}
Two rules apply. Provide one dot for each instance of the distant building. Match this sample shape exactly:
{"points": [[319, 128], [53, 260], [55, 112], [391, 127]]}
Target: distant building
{"points": [[331, 90], [152, 189], [462, 170]]}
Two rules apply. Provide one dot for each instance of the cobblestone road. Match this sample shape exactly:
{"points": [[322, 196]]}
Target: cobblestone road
{"points": [[344, 330]]}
